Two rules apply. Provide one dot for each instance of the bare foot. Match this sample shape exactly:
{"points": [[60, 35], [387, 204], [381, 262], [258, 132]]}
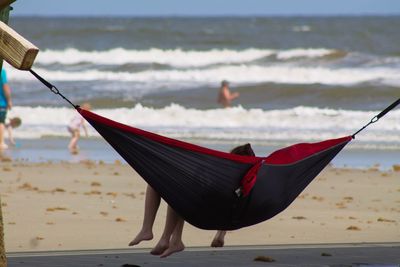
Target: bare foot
{"points": [[159, 248], [217, 243], [3, 146], [219, 239], [172, 249], [74, 150], [142, 235]]}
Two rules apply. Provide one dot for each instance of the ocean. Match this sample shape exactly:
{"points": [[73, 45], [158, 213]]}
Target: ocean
{"points": [[300, 79]]}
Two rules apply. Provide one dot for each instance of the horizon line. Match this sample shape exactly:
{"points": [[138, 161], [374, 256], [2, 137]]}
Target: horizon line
{"points": [[204, 15]]}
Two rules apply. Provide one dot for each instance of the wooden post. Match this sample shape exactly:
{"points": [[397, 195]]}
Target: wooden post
{"points": [[15, 49], [4, 15], [3, 258], [4, 4]]}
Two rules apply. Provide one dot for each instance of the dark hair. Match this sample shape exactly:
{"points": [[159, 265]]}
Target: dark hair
{"points": [[244, 150], [15, 122]]}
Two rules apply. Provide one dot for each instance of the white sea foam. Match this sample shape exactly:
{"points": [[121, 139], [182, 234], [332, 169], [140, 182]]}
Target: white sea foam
{"points": [[301, 28], [174, 57], [310, 53], [240, 75], [198, 68], [255, 125]]}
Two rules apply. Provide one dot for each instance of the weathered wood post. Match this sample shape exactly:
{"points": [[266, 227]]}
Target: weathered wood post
{"points": [[21, 54], [4, 15]]}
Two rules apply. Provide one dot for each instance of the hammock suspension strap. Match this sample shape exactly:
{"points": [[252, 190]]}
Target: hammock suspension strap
{"points": [[52, 88], [377, 117]]}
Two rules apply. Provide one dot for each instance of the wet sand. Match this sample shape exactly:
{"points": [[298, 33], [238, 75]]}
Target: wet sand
{"points": [[94, 205]]}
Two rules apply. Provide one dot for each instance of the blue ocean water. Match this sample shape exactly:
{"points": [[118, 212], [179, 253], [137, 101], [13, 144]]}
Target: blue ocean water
{"points": [[300, 79], [55, 150], [278, 62]]}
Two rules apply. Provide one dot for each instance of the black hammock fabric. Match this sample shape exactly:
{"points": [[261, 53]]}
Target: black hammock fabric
{"points": [[216, 190]]}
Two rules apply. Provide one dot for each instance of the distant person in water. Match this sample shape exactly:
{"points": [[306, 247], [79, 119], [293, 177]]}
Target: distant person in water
{"points": [[74, 126], [12, 124], [225, 96]]}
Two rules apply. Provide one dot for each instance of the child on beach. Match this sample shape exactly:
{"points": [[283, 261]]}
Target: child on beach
{"points": [[171, 238], [74, 129], [12, 124]]}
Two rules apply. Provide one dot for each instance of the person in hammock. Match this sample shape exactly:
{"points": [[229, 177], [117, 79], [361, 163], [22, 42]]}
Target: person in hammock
{"points": [[171, 239]]}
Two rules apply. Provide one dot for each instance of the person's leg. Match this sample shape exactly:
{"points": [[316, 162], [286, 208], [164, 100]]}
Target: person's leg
{"points": [[219, 239], [3, 115], [173, 227], [2, 143], [74, 140], [175, 243], [151, 204]]}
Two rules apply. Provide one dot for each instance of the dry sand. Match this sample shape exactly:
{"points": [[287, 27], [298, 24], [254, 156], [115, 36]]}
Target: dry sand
{"points": [[92, 205]]}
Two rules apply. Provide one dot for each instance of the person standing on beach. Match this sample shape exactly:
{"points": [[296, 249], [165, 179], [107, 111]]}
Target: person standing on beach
{"points": [[5, 105], [12, 124], [74, 127], [171, 238], [225, 96]]}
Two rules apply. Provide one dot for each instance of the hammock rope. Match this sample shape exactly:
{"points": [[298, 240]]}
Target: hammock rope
{"points": [[377, 117], [52, 88], [216, 190]]}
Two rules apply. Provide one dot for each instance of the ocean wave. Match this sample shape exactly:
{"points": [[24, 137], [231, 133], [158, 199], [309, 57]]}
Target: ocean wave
{"points": [[287, 125], [175, 57], [300, 52], [301, 28], [240, 75]]}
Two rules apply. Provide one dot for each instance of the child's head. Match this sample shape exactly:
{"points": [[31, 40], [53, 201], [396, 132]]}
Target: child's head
{"points": [[244, 150], [86, 106], [15, 122]]}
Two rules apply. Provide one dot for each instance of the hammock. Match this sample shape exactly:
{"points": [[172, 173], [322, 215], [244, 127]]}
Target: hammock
{"points": [[203, 185], [215, 190]]}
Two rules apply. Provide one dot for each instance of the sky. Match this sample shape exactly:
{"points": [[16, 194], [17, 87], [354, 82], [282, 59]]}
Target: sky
{"points": [[204, 7]]}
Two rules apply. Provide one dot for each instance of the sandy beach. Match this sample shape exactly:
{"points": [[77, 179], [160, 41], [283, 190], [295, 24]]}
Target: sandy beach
{"points": [[97, 205]]}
